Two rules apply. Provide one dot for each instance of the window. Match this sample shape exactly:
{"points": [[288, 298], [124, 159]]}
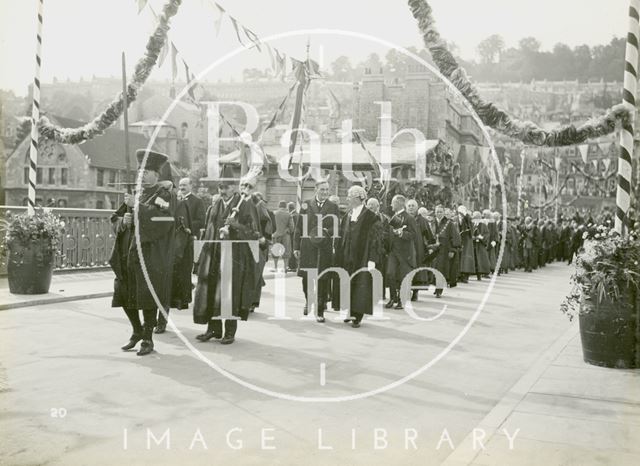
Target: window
{"points": [[99, 204], [25, 177], [63, 176], [39, 176], [52, 176], [62, 203], [112, 177], [100, 177]]}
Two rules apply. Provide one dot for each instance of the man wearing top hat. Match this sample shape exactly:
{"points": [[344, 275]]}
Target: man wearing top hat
{"points": [[136, 282], [232, 217], [317, 228]]}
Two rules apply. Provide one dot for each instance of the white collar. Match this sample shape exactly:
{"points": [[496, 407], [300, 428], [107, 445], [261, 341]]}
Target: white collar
{"points": [[355, 212]]}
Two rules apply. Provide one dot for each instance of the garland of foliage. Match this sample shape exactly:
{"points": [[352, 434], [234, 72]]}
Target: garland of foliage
{"points": [[492, 116], [109, 116]]}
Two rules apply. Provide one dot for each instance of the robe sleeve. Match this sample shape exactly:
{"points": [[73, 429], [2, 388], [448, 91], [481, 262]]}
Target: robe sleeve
{"points": [[150, 230]]}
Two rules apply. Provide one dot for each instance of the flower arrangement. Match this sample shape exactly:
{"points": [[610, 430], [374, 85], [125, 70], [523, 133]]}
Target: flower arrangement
{"points": [[23, 229], [607, 266]]}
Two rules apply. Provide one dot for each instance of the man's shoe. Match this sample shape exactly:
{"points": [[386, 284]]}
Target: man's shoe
{"points": [[355, 324], [208, 336], [145, 348], [414, 295], [390, 304], [133, 341], [398, 305], [320, 319], [227, 340], [161, 328], [349, 319]]}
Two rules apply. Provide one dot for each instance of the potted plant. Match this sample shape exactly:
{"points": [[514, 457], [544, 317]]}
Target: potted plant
{"points": [[605, 292], [29, 245]]}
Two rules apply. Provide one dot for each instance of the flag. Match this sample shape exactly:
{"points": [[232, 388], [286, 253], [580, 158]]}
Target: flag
{"points": [[163, 53], [252, 37], [584, 152], [174, 62], [218, 22], [271, 58], [604, 147], [595, 164], [188, 78], [607, 163], [141, 5], [484, 155], [558, 163], [235, 26]]}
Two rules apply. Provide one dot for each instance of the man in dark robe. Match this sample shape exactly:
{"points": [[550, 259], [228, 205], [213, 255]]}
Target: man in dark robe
{"points": [[420, 279], [360, 246], [317, 228], [189, 217], [456, 243], [293, 260], [265, 223], [492, 241], [465, 226], [136, 283], [402, 252], [480, 239], [445, 245], [374, 206], [233, 217]]}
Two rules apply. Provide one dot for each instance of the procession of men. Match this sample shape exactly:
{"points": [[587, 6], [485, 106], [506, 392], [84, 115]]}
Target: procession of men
{"points": [[412, 247]]}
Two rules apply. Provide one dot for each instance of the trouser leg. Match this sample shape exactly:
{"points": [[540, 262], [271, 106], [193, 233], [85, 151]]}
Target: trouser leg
{"points": [[134, 318], [230, 327]]}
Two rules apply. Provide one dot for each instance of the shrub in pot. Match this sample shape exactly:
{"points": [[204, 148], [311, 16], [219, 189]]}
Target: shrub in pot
{"points": [[604, 296], [29, 246]]}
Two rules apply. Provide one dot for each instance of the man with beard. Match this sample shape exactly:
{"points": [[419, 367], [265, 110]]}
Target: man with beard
{"points": [[190, 215], [445, 245], [360, 246], [233, 217], [465, 226], [402, 250], [134, 284], [420, 279], [317, 227]]}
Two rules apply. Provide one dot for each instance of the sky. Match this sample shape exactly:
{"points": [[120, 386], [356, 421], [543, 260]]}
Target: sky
{"points": [[82, 38]]}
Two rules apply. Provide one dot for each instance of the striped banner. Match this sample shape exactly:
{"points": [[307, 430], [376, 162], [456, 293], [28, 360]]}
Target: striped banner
{"points": [[35, 117], [623, 196]]}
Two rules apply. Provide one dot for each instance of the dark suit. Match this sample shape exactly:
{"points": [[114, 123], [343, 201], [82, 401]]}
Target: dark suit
{"points": [[316, 248], [402, 252]]}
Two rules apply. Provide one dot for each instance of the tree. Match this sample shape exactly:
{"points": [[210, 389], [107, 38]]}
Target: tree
{"points": [[529, 45], [341, 69], [490, 48]]}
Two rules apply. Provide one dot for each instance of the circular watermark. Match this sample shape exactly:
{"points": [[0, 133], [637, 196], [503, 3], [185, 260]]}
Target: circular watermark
{"points": [[472, 319]]}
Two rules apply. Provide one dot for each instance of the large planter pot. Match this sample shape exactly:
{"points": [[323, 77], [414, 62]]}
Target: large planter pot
{"points": [[607, 331], [30, 267]]}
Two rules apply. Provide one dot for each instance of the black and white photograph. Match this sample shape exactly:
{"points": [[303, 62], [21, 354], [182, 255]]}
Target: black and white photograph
{"points": [[304, 232]]}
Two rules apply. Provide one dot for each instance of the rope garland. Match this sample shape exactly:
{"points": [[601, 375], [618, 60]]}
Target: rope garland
{"points": [[525, 131], [109, 116]]}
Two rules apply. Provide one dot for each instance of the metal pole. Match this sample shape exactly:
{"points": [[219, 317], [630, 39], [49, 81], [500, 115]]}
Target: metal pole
{"points": [[125, 116]]}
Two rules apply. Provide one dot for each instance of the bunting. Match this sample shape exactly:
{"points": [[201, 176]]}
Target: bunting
{"points": [[217, 24], [584, 152], [234, 22], [607, 164], [558, 163], [141, 5]]}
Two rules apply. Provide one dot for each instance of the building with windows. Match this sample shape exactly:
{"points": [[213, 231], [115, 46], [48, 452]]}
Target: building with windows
{"points": [[73, 175]]}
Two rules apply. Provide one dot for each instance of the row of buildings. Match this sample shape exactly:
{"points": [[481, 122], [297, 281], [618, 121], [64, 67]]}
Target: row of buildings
{"points": [[87, 175]]}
